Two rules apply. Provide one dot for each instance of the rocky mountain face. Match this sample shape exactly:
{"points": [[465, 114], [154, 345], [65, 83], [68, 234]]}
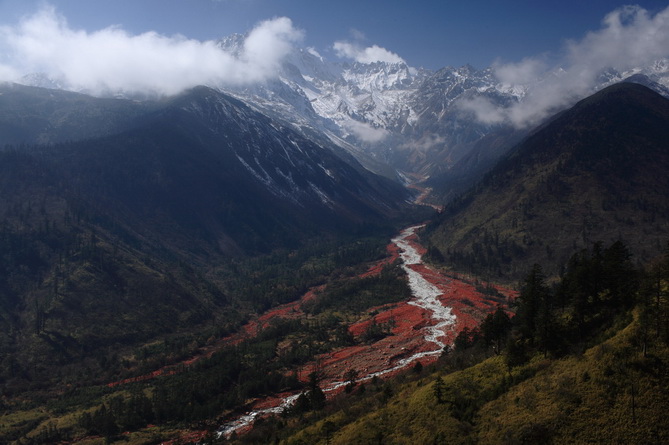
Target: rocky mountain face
{"points": [[413, 120], [406, 123], [443, 132]]}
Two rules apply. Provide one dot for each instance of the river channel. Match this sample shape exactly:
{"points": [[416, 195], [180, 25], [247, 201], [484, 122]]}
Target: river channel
{"points": [[425, 296]]}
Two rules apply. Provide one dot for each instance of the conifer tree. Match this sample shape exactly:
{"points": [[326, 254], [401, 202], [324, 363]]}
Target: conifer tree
{"points": [[532, 301], [438, 389]]}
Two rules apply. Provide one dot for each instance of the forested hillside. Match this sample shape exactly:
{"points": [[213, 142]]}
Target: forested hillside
{"points": [[595, 172]]}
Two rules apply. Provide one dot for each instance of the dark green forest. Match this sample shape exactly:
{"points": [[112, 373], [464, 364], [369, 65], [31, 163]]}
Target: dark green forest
{"points": [[83, 364]]}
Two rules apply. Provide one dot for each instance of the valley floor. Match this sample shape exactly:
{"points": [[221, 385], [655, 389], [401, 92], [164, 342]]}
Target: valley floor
{"points": [[421, 328], [405, 333]]}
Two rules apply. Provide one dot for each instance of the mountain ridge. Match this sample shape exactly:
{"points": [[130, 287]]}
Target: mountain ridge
{"points": [[406, 123], [592, 173], [145, 231], [410, 118]]}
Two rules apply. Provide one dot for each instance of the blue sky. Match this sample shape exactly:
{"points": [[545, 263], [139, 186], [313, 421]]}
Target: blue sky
{"points": [[164, 46], [431, 34]]}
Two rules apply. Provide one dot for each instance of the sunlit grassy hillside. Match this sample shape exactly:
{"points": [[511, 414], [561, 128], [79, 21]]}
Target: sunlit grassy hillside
{"points": [[611, 393]]}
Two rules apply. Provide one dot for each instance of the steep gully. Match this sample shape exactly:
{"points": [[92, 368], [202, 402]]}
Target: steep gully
{"points": [[440, 308]]}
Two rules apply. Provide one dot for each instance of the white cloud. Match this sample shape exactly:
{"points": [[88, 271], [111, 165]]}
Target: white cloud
{"points": [[526, 71], [366, 132], [357, 34], [426, 143], [484, 110], [311, 50], [370, 54], [269, 42], [112, 60], [630, 37]]}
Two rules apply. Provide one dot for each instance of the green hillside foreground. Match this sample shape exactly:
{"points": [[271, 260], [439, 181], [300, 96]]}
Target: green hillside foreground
{"points": [[583, 398]]}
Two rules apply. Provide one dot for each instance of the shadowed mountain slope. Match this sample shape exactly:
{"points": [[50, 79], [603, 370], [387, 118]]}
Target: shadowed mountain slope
{"points": [[596, 172], [31, 115], [112, 241]]}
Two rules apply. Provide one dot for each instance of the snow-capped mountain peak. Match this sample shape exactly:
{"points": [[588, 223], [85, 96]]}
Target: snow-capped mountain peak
{"points": [[386, 113]]}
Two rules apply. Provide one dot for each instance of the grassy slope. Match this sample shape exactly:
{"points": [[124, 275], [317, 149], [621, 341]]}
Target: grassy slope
{"points": [[587, 398], [577, 399]]}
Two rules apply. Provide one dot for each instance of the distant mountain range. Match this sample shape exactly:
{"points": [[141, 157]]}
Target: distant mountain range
{"points": [[399, 121], [409, 118]]}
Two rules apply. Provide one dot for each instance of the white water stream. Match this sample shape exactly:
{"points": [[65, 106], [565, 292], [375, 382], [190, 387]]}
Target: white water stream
{"points": [[425, 296]]}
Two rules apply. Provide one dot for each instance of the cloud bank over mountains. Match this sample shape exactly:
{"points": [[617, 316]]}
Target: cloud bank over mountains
{"points": [[111, 60], [370, 54], [629, 38]]}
